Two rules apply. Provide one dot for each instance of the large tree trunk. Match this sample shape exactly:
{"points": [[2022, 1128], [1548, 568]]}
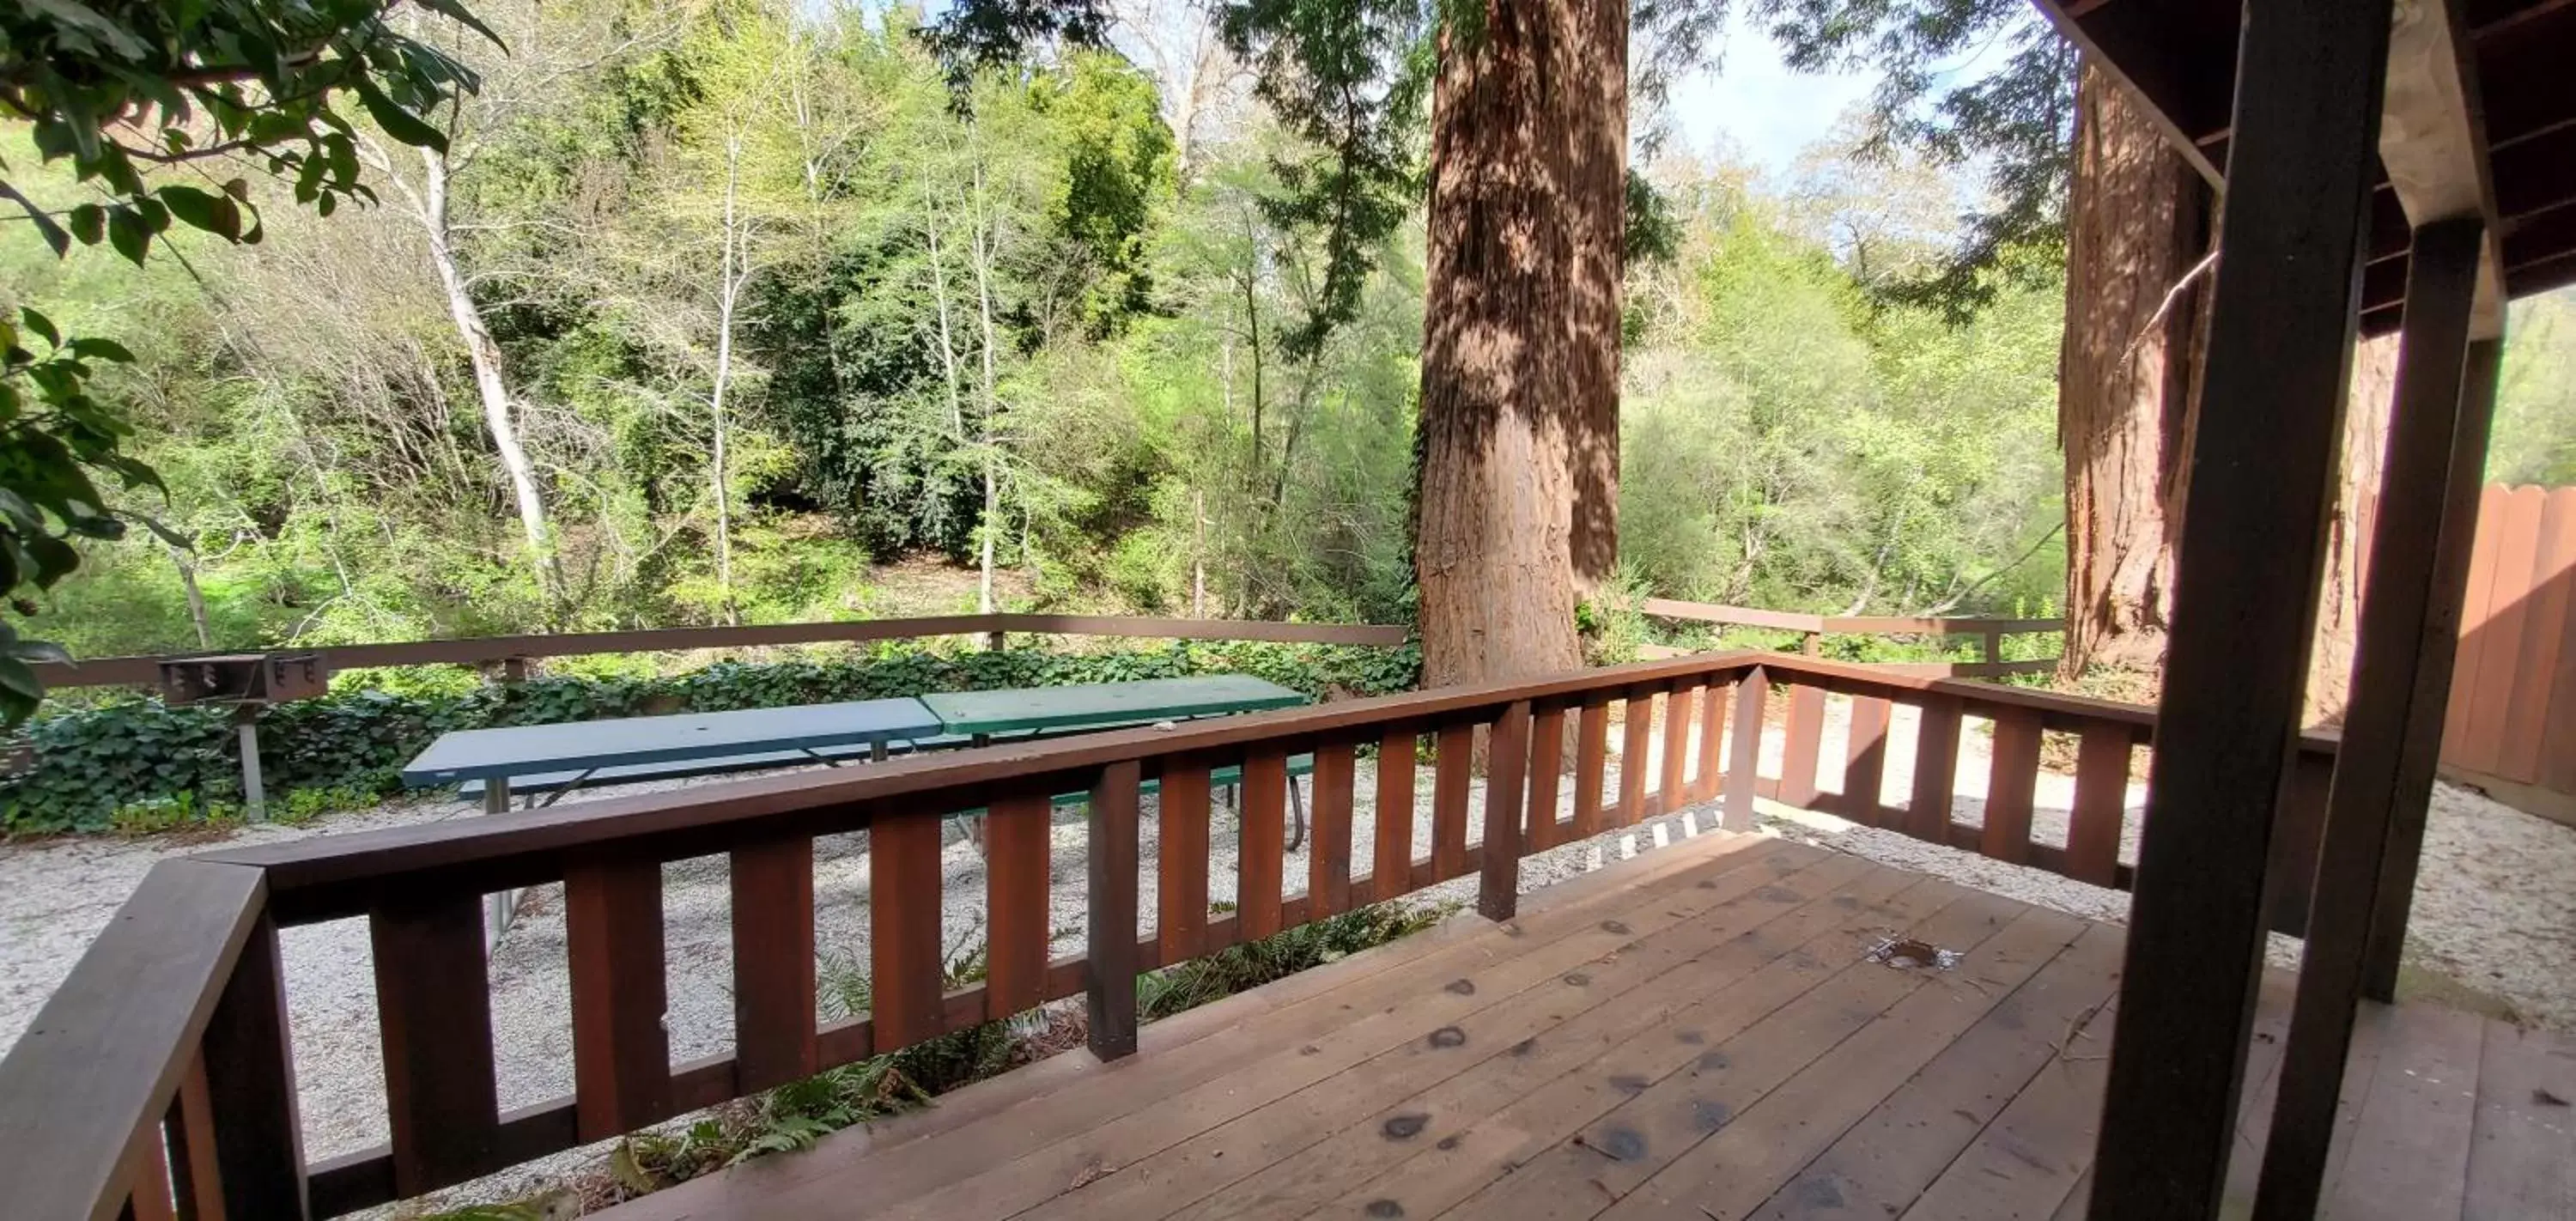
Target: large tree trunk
{"points": [[2365, 448], [1520, 354], [2127, 375]]}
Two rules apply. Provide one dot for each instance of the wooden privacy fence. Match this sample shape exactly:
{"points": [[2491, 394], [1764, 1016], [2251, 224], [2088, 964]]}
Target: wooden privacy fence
{"points": [[504, 650], [158, 1080], [1816, 627], [2511, 724]]}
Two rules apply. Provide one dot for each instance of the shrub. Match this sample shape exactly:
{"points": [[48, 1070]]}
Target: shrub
{"points": [[89, 763]]}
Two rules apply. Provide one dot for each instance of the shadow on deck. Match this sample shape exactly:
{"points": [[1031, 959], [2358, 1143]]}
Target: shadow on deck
{"points": [[1693, 1034]]}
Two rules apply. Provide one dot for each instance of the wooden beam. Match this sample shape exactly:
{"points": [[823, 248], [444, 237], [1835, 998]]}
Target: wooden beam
{"points": [[2423, 743], [2432, 139], [2131, 43], [2262, 475], [2394, 700]]}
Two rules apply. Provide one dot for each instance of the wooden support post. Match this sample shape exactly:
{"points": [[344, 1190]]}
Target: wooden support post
{"points": [[621, 1056], [2395, 703], [1113, 911], [2300, 163], [1507, 762], [2423, 745]]}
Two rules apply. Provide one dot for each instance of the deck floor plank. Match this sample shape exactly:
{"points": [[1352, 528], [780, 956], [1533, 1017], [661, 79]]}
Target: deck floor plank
{"points": [[1456, 1149], [1693, 1034], [2522, 1154], [1878, 1168], [1623, 994], [2409, 1159], [1736, 1170]]}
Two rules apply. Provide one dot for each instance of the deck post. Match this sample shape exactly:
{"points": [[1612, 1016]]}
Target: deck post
{"points": [[1498, 887], [1112, 999], [2439, 653], [2399, 692], [250, 1077], [2301, 160]]}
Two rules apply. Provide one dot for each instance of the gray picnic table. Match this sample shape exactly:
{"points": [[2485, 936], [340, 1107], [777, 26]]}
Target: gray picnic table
{"points": [[556, 759]]}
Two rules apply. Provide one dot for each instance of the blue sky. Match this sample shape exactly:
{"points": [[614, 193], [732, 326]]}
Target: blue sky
{"points": [[1759, 106]]}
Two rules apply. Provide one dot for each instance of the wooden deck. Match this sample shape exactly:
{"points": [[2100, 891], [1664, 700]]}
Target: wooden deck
{"points": [[1693, 1034]]}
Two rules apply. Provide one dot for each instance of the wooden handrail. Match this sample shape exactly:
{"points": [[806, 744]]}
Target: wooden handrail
{"points": [[1874, 625], [178, 1001], [144, 671]]}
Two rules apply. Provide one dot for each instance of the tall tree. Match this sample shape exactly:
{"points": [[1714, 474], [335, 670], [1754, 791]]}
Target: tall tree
{"points": [[1520, 359], [2127, 375]]}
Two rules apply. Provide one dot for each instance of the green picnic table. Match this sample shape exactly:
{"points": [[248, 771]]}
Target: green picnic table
{"points": [[1088, 706]]}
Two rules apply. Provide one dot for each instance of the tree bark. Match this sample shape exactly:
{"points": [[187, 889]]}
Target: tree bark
{"points": [[2128, 367], [1515, 508], [2365, 449], [489, 383]]}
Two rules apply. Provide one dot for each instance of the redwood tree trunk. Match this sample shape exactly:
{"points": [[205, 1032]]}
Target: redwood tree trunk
{"points": [[2365, 447], [1520, 353], [2137, 224]]}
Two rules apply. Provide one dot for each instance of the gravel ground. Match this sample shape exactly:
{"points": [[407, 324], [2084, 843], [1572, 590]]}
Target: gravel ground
{"points": [[2491, 911]]}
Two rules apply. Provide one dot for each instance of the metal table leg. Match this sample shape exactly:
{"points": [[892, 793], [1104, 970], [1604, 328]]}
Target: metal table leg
{"points": [[499, 906]]}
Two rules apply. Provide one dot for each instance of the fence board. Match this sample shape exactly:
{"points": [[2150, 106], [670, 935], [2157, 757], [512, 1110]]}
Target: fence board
{"points": [[2011, 786], [1636, 751], [1677, 736], [1328, 863], [1546, 773], [1805, 743], [1744, 761], [903, 929], [2558, 732], [1591, 761], [1181, 886], [2517, 539], [1936, 771], [1265, 830], [1015, 901], [1711, 775], [1865, 761], [773, 962], [434, 1017], [621, 1059], [2101, 805], [2475, 606], [1452, 773], [1393, 868], [2544, 635]]}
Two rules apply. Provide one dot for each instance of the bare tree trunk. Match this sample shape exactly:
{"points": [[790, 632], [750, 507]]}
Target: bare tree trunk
{"points": [[730, 274], [187, 566], [1198, 555], [982, 249], [489, 383], [2136, 226], [1520, 350]]}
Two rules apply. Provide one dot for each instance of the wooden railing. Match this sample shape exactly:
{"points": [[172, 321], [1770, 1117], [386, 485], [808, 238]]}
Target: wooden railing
{"points": [[145, 671], [1814, 628], [159, 1076]]}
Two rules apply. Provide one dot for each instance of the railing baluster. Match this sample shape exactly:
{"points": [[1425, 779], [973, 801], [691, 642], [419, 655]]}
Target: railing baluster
{"points": [[1112, 998], [1393, 868], [1865, 762], [1181, 879], [196, 1184], [621, 1058], [1711, 774], [1506, 765], [1936, 770], [1546, 773], [2011, 787], [1328, 861], [1744, 762], [1805, 744], [148, 1196], [258, 1149], [1591, 760], [1015, 903], [434, 1014], [1636, 749], [905, 977], [1671, 794], [1265, 815], [2101, 804], [773, 963], [1454, 772]]}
